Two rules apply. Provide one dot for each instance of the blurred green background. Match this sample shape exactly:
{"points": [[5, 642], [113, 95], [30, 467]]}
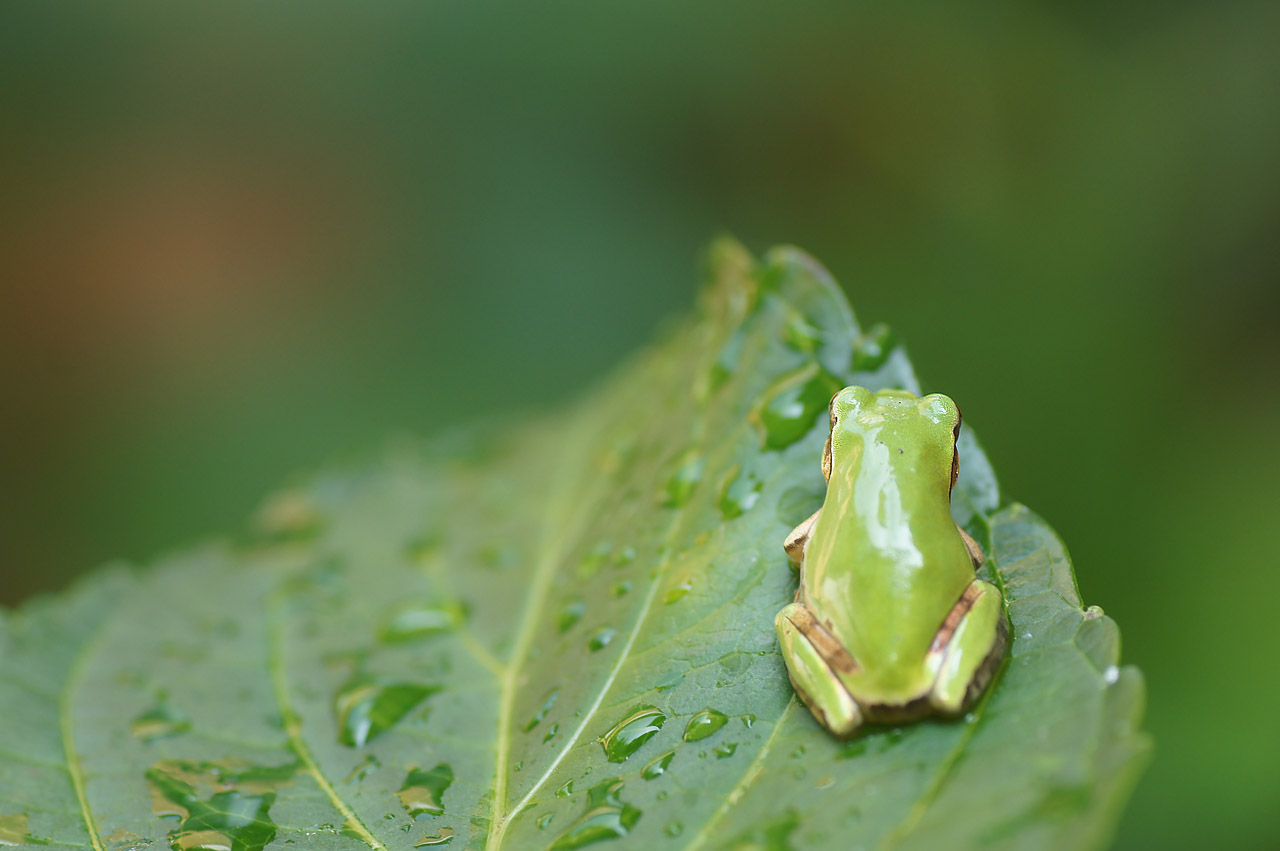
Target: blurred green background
{"points": [[239, 242]]}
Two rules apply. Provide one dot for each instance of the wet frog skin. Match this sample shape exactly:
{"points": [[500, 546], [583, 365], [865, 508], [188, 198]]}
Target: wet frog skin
{"points": [[889, 622]]}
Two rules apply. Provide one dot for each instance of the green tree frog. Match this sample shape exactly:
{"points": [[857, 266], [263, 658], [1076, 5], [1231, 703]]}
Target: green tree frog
{"points": [[889, 623]]}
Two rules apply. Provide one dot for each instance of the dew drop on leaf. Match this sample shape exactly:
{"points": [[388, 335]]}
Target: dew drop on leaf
{"points": [[412, 621], [673, 829], [628, 735], [725, 751], [677, 592], [704, 724], [422, 792], [547, 702], [362, 768], [682, 482], [545, 820], [791, 406], [368, 708], [658, 766], [873, 348], [161, 721], [607, 817], [801, 336], [551, 733], [739, 494], [220, 806], [566, 790], [570, 613], [441, 837], [748, 721], [600, 638], [594, 560]]}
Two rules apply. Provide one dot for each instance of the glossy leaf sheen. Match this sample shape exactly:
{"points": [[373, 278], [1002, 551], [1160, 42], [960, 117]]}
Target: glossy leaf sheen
{"points": [[559, 635]]}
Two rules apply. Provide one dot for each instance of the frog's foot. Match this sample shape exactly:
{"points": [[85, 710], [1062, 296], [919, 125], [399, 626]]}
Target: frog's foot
{"points": [[815, 661], [968, 648]]}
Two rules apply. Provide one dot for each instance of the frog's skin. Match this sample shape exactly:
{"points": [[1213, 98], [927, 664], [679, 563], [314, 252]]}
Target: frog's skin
{"points": [[889, 623]]}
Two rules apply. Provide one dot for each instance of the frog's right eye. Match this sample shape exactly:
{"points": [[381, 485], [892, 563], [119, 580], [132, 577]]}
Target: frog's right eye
{"points": [[849, 401]]}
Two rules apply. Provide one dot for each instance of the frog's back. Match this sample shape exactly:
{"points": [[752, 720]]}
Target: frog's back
{"points": [[900, 562]]}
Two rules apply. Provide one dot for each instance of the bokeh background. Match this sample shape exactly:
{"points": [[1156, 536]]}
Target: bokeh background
{"points": [[244, 241]]}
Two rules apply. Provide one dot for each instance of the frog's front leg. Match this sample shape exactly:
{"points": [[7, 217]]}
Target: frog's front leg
{"points": [[815, 660], [968, 648], [798, 538]]}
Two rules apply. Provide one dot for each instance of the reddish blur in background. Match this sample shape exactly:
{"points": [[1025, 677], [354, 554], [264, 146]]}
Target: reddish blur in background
{"points": [[237, 242]]}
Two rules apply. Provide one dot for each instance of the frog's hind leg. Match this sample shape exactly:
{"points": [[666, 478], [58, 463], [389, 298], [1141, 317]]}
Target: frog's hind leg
{"points": [[968, 648], [814, 661]]}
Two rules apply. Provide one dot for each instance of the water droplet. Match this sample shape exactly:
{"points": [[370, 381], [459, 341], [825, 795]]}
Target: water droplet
{"points": [[547, 702], [628, 735], [622, 588], [789, 409], [607, 817], [725, 751], [673, 829], [161, 721], [594, 560], [1111, 675], [1093, 612], [748, 721], [570, 613], [566, 790], [704, 724], [368, 708], [600, 638], [362, 768], [13, 831], [801, 336], [669, 681], [677, 592], [119, 840], [680, 485], [658, 766], [519, 766], [798, 752], [420, 619], [551, 733], [422, 792], [545, 820], [873, 348], [739, 494], [220, 805], [441, 837]]}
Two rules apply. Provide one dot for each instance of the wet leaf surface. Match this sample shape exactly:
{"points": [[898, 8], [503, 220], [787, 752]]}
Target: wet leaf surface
{"points": [[559, 637]]}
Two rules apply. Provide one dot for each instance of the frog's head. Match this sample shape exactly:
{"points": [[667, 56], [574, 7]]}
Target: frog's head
{"points": [[894, 415]]}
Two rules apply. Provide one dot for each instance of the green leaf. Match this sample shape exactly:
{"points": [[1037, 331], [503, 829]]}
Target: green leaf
{"points": [[557, 632]]}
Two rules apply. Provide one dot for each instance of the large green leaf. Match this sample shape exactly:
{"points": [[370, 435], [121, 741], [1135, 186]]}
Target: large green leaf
{"points": [[556, 632]]}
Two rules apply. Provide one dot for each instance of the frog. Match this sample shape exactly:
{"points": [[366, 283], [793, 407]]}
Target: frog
{"points": [[890, 622]]}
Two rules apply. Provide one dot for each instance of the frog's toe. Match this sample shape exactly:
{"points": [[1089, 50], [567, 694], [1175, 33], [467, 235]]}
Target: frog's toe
{"points": [[811, 673], [968, 648]]}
